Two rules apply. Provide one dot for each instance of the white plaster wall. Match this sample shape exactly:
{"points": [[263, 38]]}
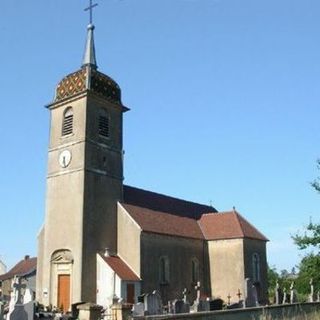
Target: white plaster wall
{"points": [[108, 283]]}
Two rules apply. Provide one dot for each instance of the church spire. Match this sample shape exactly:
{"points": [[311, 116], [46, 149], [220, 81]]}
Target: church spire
{"points": [[89, 57]]}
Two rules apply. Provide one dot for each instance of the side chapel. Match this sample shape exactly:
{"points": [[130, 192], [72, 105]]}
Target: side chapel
{"points": [[102, 238]]}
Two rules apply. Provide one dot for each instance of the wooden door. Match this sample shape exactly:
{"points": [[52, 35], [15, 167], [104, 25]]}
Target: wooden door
{"points": [[130, 293], [64, 292]]}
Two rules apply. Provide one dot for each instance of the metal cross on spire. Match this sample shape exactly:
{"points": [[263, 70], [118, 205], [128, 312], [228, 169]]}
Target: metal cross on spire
{"points": [[91, 6]]}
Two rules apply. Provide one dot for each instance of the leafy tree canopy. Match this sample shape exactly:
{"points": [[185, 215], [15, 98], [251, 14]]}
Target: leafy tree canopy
{"points": [[311, 237]]}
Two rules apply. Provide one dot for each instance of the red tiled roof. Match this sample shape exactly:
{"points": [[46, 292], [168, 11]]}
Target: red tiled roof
{"points": [[159, 202], [120, 268], [210, 226], [24, 267], [164, 223], [228, 225]]}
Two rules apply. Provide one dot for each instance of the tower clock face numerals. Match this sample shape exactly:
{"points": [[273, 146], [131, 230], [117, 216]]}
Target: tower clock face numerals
{"points": [[65, 158]]}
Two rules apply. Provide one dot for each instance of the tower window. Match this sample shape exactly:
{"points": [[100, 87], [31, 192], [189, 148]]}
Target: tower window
{"points": [[67, 123], [104, 124]]}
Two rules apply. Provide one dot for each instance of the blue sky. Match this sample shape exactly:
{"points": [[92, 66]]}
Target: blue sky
{"points": [[224, 98]]}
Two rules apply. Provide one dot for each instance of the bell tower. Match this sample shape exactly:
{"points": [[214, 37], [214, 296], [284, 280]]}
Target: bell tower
{"points": [[84, 182]]}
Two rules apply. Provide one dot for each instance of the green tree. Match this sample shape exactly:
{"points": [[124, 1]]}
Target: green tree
{"points": [[310, 238], [309, 266]]}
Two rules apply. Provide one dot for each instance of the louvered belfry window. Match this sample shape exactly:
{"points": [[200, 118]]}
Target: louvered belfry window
{"points": [[104, 124], [67, 124]]}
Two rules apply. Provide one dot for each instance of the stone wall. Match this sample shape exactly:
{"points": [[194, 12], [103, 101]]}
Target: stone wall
{"points": [[304, 311], [180, 252]]}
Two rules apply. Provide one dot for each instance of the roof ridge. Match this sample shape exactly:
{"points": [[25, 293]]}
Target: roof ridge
{"points": [[250, 225], [158, 211], [171, 197], [237, 216]]}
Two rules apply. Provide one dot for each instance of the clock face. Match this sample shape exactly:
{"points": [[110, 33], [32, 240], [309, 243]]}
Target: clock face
{"points": [[65, 158]]}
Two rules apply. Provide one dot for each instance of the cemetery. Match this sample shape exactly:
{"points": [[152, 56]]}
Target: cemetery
{"points": [[22, 306]]}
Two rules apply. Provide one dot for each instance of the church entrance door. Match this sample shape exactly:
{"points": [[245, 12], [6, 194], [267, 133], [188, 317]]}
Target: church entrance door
{"points": [[64, 292]]}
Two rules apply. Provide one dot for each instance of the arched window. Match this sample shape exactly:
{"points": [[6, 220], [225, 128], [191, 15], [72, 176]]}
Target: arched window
{"points": [[67, 123], [164, 270], [195, 270], [104, 123], [255, 267]]}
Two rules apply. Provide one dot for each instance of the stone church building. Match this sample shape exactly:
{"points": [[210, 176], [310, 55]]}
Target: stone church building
{"points": [[102, 238]]}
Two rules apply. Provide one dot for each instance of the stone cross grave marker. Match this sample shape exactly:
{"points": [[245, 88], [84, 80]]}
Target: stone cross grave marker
{"points": [[229, 299], [239, 294], [184, 292], [196, 307], [18, 310], [197, 287]]}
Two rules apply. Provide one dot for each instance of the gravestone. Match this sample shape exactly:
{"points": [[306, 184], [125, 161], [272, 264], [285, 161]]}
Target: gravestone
{"points": [[216, 304], [318, 296], [235, 305], [211, 305], [153, 303], [255, 295], [138, 309], [179, 306], [250, 297]]}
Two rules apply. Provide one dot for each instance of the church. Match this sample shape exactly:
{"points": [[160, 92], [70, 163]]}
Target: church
{"points": [[103, 239]]}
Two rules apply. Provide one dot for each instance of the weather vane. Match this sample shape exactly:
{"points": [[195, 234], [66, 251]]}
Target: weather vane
{"points": [[91, 6]]}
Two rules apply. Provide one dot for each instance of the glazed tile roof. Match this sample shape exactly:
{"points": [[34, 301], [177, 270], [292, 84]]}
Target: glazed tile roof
{"points": [[22, 268], [120, 268], [77, 82], [163, 203], [162, 214]]}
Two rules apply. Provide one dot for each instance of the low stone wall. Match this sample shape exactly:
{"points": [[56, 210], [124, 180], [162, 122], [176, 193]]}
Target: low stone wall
{"points": [[297, 311]]}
